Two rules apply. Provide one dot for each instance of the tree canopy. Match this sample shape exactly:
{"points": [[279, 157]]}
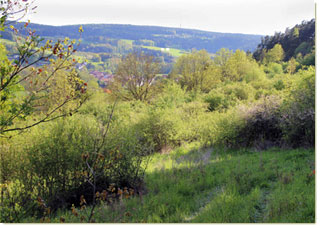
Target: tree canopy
{"points": [[135, 77], [195, 71]]}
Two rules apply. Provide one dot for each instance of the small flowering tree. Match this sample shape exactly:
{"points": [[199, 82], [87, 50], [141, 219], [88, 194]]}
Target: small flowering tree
{"points": [[40, 83], [14, 10]]}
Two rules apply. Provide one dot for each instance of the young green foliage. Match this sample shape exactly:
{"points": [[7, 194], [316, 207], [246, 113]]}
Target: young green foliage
{"points": [[195, 71], [135, 77], [38, 82]]}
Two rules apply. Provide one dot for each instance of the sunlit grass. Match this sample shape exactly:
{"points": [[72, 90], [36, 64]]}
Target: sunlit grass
{"points": [[186, 185]]}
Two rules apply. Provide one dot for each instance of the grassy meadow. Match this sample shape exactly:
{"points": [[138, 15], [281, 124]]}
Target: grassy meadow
{"points": [[207, 185]]}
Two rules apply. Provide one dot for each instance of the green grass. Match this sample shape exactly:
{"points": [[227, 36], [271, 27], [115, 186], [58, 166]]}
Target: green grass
{"points": [[215, 186], [7, 42], [127, 41], [174, 52], [10, 45]]}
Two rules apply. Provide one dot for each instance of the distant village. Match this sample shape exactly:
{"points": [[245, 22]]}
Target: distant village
{"points": [[103, 78]]}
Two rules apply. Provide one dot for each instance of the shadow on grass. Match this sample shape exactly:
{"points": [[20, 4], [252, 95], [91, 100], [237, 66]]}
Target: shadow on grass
{"points": [[224, 187]]}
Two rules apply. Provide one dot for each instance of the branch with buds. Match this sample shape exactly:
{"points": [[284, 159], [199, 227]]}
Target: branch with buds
{"points": [[35, 70]]}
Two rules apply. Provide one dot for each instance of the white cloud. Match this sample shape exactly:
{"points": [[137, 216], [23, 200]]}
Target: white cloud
{"points": [[237, 16]]}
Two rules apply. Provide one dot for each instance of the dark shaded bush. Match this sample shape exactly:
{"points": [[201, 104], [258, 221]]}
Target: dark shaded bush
{"points": [[262, 124], [299, 127], [255, 125], [284, 120], [298, 111]]}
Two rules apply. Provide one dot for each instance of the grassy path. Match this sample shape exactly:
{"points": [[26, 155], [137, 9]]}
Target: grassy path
{"points": [[261, 207]]}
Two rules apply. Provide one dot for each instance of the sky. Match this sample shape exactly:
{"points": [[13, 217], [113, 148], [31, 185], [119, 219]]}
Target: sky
{"points": [[263, 17]]}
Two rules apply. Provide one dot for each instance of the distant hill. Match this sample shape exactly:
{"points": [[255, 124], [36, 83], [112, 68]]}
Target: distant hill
{"points": [[178, 38]]}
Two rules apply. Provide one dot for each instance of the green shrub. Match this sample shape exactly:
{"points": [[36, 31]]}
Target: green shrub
{"points": [[279, 85], [274, 120], [261, 84], [75, 157], [228, 96], [254, 74], [226, 128], [216, 101], [258, 94], [241, 93], [309, 59], [220, 99], [159, 128], [194, 120], [273, 69], [172, 95]]}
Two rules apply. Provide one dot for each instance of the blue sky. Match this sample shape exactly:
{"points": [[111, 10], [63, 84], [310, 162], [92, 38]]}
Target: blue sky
{"points": [[237, 16]]}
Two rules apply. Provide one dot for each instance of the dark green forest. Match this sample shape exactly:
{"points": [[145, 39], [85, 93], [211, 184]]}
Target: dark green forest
{"points": [[218, 128], [296, 42]]}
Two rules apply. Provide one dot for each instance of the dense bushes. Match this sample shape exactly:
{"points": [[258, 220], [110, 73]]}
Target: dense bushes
{"points": [[299, 111], [216, 101], [159, 129], [73, 157], [165, 128], [286, 120], [228, 96], [57, 163], [262, 124], [237, 114]]}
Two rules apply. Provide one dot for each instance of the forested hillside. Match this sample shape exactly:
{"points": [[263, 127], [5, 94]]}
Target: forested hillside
{"points": [[223, 138], [185, 39], [103, 45], [296, 42]]}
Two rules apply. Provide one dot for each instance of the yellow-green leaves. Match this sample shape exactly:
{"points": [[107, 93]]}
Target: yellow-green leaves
{"points": [[80, 29]]}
